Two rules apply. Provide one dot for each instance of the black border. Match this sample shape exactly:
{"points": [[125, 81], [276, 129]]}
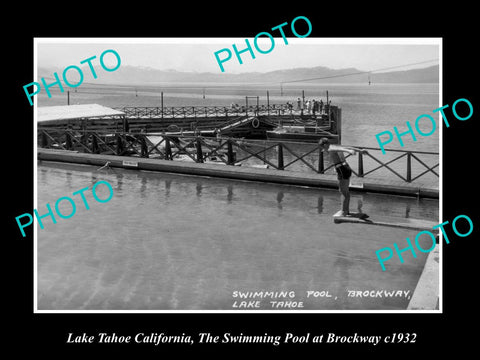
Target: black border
{"points": [[45, 334]]}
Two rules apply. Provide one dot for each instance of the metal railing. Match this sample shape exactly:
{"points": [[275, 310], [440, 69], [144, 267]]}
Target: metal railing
{"points": [[230, 151]]}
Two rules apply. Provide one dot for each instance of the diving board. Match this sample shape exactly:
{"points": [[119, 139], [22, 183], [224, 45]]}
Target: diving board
{"points": [[404, 223]]}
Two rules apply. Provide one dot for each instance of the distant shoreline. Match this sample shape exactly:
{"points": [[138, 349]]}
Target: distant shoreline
{"points": [[137, 76]]}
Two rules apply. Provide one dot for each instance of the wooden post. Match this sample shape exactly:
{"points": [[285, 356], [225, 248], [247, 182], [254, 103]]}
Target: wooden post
{"points": [[125, 125], [280, 156], [68, 141], [327, 109], [68, 97], [360, 164], [198, 145], [230, 158], [44, 140], [83, 137], [144, 147], [94, 144], [303, 103], [321, 165], [409, 166], [338, 123], [119, 148], [161, 97], [268, 104], [168, 149]]}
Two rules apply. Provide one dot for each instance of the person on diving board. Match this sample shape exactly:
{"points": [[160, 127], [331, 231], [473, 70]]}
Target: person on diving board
{"points": [[343, 173]]}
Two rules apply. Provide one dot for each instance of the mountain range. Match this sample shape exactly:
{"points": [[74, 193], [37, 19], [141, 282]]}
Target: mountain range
{"points": [[133, 75]]}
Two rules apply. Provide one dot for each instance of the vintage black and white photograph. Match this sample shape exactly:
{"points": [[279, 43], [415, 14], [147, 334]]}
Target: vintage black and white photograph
{"points": [[268, 174]]}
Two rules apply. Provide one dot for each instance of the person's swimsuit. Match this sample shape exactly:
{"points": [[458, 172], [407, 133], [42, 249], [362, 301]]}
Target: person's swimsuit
{"points": [[343, 171]]}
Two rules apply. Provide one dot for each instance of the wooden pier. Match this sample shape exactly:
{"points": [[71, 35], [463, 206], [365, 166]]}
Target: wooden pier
{"points": [[107, 139], [243, 121]]}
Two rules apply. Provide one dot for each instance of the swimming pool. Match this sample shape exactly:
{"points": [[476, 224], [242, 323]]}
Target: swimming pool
{"points": [[174, 242]]}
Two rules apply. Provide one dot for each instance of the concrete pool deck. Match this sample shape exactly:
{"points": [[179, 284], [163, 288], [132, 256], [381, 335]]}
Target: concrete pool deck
{"points": [[240, 172], [427, 293]]}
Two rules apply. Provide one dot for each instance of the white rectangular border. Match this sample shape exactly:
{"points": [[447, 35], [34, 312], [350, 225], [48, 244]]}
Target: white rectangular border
{"points": [[219, 40]]}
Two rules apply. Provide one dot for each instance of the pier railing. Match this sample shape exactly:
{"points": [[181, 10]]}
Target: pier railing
{"points": [[233, 151], [211, 111]]}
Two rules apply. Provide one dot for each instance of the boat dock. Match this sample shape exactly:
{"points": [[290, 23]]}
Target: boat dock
{"points": [[251, 121]]}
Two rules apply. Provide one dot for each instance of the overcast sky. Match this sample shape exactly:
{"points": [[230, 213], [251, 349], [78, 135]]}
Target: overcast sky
{"points": [[197, 54]]}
